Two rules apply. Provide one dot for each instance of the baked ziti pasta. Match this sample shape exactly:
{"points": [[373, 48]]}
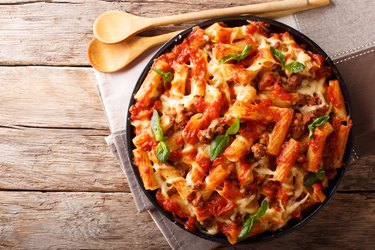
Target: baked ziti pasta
{"points": [[238, 130]]}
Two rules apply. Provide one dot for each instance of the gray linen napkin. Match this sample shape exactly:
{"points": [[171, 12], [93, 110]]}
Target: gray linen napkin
{"points": [[344, 30]]}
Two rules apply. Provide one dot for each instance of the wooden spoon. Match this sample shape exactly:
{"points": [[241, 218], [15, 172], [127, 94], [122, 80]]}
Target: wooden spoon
{"points": [[113, 57], [115, 26]]}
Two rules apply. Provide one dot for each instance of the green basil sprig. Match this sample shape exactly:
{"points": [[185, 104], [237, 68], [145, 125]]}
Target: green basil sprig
{"points": [[155, 126], [238, 57], [293, 67], [313, 177], [278, 55], [317, 123], [249, 223], [162, 150], [167, 76], [220, 142]]}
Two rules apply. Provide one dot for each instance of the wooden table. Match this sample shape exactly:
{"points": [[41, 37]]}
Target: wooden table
{"points": [[60, 185]]}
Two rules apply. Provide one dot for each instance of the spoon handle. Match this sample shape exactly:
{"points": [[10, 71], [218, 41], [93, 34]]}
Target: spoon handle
{"points": [[247, 9], [156, 40]]}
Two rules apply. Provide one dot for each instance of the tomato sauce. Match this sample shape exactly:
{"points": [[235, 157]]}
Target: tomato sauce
{"points": [[199, 62], [174, 208], [199, 105], [204, 162], [230, 191], [196, 38], [140, 112], [217, 205], [230, 230], [332, 97], [224, 35], [175, 155], [282, 196], [270, 189], [252, 29], [280, 93]]}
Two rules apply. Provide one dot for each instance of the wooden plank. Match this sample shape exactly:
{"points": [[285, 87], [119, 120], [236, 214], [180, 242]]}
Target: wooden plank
{"points": [[58, 32], [33, 220], [58, 159], [60, 97], [360, 175], [102, 221], [50, 96]]}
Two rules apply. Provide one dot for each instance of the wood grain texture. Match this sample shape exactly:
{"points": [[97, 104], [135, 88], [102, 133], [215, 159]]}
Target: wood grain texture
{"points": [[58, 160], [110, 221], [50, 97], [34, 220], [58, 32]]}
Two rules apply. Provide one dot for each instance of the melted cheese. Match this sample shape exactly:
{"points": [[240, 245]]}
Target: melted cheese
{"points": [[243, 205], [310, 88]]}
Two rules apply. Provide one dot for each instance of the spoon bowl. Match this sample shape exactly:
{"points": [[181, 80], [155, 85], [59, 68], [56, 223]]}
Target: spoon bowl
{"points": [[113, 57], [115, 26]]}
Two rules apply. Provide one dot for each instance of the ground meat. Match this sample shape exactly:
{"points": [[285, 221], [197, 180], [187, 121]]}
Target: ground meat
{"points": [[209, 222], [233, 173], [301, 159], [259, 150], [205, 135], [217, 127], [277, 45], [237, 220], [309, 100], [198, 186], [220, 126], [293, 82], [181, 118], [195, 198], [265, 82], [264, 138], [299, 124], [198, 201], [171, 190]]}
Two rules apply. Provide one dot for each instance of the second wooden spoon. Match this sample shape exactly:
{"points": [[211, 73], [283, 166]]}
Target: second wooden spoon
{"points": [[113, 57]]}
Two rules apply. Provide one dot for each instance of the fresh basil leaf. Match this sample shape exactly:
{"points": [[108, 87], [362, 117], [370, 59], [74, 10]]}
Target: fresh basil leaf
{"points": [[295, 67], [220, 142], [278, 55], [249, 223], [167, 76], [313, 177], [155, 126], [320, 174], [227, 58], [233, 129], [317, 123], [245, 52], [246, 228], [218, 145], [262, 210], [238, 57], [162, 152]]}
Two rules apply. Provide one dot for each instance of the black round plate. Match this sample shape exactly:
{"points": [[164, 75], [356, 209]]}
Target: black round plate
{"points": [[275, 27]]}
